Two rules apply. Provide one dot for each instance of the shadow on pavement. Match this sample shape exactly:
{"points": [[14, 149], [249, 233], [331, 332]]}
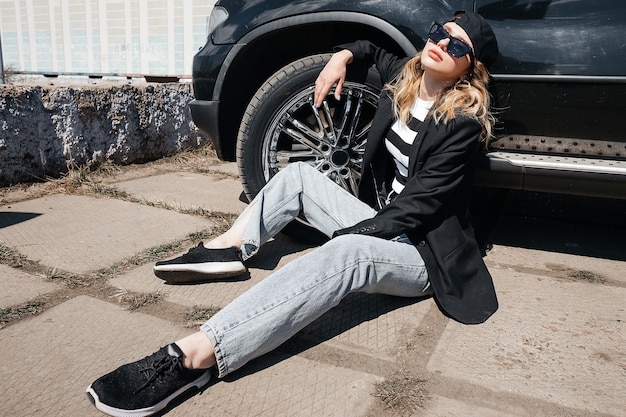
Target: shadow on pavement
{"points": [[9, 218], [575, 225], [353, 310]]}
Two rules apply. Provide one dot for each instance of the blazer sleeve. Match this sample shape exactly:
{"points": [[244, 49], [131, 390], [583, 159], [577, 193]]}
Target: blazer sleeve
{"points": [[432, 185], [366, 53]]}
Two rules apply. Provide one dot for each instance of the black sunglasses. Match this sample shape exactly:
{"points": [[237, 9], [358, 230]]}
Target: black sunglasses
{"points": [[456, 47]]}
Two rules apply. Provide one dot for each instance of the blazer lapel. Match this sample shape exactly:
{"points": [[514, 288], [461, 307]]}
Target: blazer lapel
{"points": [[416, 154]]}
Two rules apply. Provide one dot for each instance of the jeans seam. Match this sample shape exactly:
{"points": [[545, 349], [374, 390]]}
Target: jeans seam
{"points": [[325, 210], [220, 358], [276, 208]]}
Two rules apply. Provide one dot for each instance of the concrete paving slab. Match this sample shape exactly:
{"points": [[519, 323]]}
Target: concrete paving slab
{"points": [[79, 233], [440, 406], [188, 190], [369, 324], [555, 261], [48, 361], [229, 168], [557, 341], [278, 385], [17, 287]]}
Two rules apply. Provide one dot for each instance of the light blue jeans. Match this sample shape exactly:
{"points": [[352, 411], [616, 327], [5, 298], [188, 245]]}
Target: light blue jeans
{"points": [[275, 309]]}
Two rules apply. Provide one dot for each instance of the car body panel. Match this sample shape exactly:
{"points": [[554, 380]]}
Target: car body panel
{"points": [[560, 79], [409, 16]]}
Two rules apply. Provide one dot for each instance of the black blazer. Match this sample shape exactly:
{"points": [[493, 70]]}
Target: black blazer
{"points": [[433, 208]]}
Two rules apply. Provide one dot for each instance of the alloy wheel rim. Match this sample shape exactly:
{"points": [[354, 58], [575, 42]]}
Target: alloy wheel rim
{"points": [[331, 138]]}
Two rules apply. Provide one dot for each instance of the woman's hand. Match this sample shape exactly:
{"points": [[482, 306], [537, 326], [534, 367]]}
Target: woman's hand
{"points": [[333, 73]]}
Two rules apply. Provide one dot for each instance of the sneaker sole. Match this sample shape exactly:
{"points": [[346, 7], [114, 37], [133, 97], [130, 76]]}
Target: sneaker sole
{"points": [[187, 273], [148, 411]]}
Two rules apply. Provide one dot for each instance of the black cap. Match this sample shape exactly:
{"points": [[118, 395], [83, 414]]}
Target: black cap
{"points": [[481, 35]]}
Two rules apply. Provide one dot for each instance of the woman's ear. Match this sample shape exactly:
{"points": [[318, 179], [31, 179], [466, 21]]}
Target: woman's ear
{"points": [[468, 75]]}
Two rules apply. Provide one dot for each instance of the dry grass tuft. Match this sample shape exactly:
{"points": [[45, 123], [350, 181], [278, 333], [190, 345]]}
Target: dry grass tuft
{"points": [[198, 315], [402, 393], [14, 259], [133, 301], [586, 276], [30, 308]]}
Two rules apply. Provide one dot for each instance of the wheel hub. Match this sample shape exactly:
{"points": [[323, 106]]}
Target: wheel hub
{"points": [[340, 158]]}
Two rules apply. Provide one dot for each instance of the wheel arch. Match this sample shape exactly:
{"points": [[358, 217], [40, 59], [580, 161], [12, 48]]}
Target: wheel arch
{"points": [[266, 49]]}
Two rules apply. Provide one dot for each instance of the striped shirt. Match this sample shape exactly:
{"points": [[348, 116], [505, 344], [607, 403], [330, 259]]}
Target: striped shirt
{"points": [[399, 140]]}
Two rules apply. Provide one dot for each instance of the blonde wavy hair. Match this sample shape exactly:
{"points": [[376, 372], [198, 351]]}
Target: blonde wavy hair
{"points": [[468, 96]]}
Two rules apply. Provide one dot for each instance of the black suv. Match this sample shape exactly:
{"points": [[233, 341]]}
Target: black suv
{"points": [[559, 86]]}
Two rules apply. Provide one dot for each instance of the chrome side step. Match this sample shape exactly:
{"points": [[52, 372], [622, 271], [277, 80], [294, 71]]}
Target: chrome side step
{"points": [[560, 163]]}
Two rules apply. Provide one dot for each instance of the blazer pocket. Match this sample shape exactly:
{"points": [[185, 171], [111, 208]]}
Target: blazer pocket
{"points": [[450, 239]]}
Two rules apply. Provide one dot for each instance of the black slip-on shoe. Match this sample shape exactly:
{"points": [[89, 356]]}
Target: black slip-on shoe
{"points": [[201, 264]]}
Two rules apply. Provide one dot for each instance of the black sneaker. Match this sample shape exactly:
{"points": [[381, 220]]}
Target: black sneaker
{"points": [[201, 264], [145, 387]]}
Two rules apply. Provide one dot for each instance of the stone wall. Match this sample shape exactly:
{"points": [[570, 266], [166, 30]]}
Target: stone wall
{"points": [[45, 128]]}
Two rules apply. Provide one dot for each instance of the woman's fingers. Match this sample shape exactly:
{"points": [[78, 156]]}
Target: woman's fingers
{"points": [[334, 73], [324, 83]]}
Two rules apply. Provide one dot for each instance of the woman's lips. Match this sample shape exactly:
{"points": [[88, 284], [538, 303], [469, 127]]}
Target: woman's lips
{"points": [[436, 55]]}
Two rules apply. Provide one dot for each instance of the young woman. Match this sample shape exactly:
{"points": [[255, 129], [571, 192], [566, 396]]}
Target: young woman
{"points": [[407, 234]]}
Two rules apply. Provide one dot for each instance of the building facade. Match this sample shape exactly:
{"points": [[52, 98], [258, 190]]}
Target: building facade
{"points": [[102, 37]]}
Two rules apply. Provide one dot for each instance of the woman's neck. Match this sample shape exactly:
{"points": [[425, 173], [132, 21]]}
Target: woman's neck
{"points": [[431, 86]]}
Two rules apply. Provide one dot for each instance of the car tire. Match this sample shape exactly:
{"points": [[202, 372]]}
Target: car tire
{"points": [[281, 126]]}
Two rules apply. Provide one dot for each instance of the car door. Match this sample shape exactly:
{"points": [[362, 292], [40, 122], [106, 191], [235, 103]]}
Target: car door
{"points": [[560, 76]]}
